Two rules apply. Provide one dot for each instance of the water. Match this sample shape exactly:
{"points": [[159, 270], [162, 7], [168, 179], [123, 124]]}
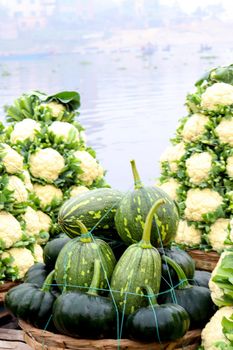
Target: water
{"points": [[130, 104]]}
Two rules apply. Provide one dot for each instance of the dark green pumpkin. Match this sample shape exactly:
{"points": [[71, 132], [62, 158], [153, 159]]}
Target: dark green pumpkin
{"points": [[183, 259], [86, 315], [36, 274], [194, 299], [139, 266], [96, 209], [166, 322], [30, 303], [133, 209], [201, 278], [52, 249], [75, 263]]}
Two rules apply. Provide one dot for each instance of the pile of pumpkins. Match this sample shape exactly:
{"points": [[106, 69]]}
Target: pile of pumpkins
{"points": [[114, 273]]}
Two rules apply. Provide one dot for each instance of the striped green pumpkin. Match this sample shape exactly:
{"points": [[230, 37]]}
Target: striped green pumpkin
{"points": [[96, 209], [133, 209], [138, 267], [75, 263]]}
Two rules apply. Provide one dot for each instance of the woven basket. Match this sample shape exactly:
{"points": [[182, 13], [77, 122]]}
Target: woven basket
{"points": [[38, 339], [204, 260], [5, 287]]}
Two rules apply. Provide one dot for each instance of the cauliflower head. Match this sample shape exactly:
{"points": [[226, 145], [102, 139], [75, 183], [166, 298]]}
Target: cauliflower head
{"points": [[20, 259], [90, 167], [200, 202], [67, 131], [11, 159], [212, 333], [170, 187], [56, 108], [187, 234], [194, 127], [45, 221], [224, 131], [48, 194], [24, 130], [219, 232], [16, 185], [10, 229], [76, 190], [198, 167], [32, 223], [218, 94], [46, 164], [37, 252], [172, 155]]}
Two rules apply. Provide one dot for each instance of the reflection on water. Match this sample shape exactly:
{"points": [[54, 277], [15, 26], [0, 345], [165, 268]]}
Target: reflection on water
{"points": [[130, 103]]}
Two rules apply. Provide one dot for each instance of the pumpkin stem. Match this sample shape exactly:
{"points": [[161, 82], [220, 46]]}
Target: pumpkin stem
{"points": [[48, 282], [137, 181], [150, 295], [179, 271], [145, 241], [85, 237], [95, 282]]}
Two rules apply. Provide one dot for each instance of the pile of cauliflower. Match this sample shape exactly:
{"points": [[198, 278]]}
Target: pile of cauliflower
{"points": [[44, 161], [197, 168], [218, 332]]}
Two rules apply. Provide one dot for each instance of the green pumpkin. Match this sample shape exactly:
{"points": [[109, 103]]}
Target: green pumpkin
{"points": [[86, 315], [75, 263], [139, 266], [133, 209], [36, 274], [96, 209], [166, 322], [52, 249]]}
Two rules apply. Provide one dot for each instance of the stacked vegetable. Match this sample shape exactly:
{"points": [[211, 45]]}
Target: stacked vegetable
{"points": [[217, 334], [45, 160], [197, 169], [140, 293]]}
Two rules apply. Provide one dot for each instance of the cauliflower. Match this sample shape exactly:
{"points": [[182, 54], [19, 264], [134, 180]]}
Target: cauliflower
{"points": [[27, 180], [11, 159], [198, 167], [32, 223], [216, 95], [56, 109], [22, 260], [45, 221], [47, 194], [172, 155], [16, 185], [187, 234], [170, 187], [213, 333], [46, 164], [67, 131], [76, 190], [224, 131], [10, 229], [200, 202], [37, 253], [25, 129], [218, 234], [194, 127], [90, 167], [229, 166]]}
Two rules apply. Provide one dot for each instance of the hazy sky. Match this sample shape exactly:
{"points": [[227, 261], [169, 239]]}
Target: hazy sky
{"points": [[190, 5]]}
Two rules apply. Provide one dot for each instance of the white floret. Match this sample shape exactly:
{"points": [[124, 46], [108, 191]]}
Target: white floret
{"points": [[200, 202], [46, 164], [57, 109], [229, 166], [218, 234], [32, 223], [212, 332], [172, 155], [187, 234], [45, 221], [20, 193], [38, 253], [76, 190], [194, 127], [47, 194], [22, 260], [224, 131], [170, 187], [90, 167], [198, 167], [10, 229], [11, 159], [25, 129], [217, 94], [65, 130]]}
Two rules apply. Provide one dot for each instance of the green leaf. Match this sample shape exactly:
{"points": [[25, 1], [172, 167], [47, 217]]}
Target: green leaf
{"points": [[69, 98]]}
